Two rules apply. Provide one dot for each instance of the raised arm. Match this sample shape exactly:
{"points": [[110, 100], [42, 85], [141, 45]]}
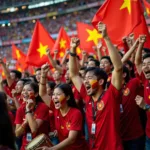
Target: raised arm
{"points": [[73, 66], [130, 51], [53, 62], [7, 72], [138, 56], [115, 58], [84, 58], [42, 87], [63, 62]]}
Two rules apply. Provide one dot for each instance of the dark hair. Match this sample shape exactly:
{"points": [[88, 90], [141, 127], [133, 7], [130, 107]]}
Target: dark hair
{"points": [[90, 57], [108, 58], [34, 78], [126, 70], [18, 74], [146, 50], [146, 55], [24, 80], [132, 74], [51, 84], [97, 63], [99, 73], [120, 53], [27, 74], [57, 62], [37, 69], [35, 88], [7, 136], [83, 68], [66, 88]]}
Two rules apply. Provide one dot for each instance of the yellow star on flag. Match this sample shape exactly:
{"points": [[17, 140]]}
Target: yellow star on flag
{"points": [[42, 49], [93, 36], [126, 4], [18, 54], [61, 54], [62, 43], [78, 50]]}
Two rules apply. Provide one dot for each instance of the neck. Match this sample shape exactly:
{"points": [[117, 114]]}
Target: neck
{"points": [[96, 96], [64, 110]]}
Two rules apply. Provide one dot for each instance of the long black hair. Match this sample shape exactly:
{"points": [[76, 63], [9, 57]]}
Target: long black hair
{"points": [[67, 90], [7, 136]]}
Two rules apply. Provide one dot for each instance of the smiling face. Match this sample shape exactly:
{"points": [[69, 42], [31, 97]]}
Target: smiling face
{"points": [[105, 64], [19, 87], [67, 78], [28, 93], [38, 75], [57, 76], [146, 68], [91, 83], [59, 98]]}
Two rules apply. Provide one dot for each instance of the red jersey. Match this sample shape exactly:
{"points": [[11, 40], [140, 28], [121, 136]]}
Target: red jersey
{"points": [[71, 121], [41, 112], [107, 119], [131, 127]]}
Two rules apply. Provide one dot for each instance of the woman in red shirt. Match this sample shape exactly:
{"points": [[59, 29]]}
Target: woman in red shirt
{"points": [[31, 119]]}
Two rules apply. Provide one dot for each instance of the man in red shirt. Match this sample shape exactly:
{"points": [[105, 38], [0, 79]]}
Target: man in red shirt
{"points": [[102, 107]]}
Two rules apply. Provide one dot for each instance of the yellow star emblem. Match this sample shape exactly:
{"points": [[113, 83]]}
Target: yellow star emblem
{"points": [[62, 43], [61, 54], [19, 69], [42, 49], [148, 10], [78, 50], [93, 36], [18, 54], [126, 4]]}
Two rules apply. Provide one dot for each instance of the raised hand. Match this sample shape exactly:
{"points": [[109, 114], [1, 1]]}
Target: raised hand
{"points": [[142, 39], [45, 68], [102, 29], [74, 42], [140, 101]]}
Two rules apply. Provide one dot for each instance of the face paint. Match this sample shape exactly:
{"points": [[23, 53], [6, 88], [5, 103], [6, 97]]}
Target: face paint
{"points": [[62, 100], [93, 83], [32, 96]]}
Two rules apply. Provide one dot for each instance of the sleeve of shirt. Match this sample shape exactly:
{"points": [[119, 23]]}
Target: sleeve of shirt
{"points": [[76, 122], [19, 117], [43, 113]]}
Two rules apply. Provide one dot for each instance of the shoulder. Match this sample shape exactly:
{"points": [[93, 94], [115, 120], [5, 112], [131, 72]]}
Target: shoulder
{"points": [[42, 106]]}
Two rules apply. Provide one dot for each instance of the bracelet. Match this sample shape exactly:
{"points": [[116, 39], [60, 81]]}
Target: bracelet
{"points": [[147, 107], [27, 112], [42, 83], [73, 54]]}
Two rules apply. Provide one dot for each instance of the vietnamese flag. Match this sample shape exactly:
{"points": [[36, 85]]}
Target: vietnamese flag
{"points": [[120, 16], [88, 36], [41, 40], [147, 7], [18, 55], [62, 43]]}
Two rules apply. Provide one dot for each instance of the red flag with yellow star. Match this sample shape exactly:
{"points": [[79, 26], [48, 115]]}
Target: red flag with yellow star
{"points": [[88, 36], [62, 43], [147, 7], [41, 40], [120, 16], [18, 55]]}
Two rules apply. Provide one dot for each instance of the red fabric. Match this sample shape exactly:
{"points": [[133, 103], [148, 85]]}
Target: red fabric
{"points": [[147, 7], [72, 121], [19, 56], [41, 112], [40, 38], [9, 89], [124, 20], [107, 119], [83, 35], [65, 40], [131, 127]]}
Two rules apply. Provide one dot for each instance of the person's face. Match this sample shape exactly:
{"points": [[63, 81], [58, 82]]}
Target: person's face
{"points": [[82, 72], [19, 87], [67, 77], [91, 64], [57, 75], [105, 65], [12, 75], [28, 93], [59, 98], [38, 75], [146, 68], [91, 83]]}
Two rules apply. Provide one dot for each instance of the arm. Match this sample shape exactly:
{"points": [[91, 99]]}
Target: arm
{"points": [[73, 67], [130, 51], [54, 64], [42, 87], [7, 73], [84, 58], [115, 58], [138, 56], [63, 62], [55, 55]]}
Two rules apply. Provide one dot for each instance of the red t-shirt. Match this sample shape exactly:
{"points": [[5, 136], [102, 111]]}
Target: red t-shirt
{"points": [[147, 101], [131, 127], [107, 119], [72, 121], [41, 112]]}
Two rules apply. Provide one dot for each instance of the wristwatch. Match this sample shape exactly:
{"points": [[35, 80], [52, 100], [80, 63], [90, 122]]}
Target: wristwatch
{"points": [[147, 107], [28, 111]]}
